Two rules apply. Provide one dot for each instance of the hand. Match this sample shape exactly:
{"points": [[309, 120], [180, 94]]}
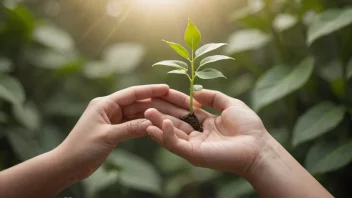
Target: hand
{"points": [[230, 142], [106, 122]]}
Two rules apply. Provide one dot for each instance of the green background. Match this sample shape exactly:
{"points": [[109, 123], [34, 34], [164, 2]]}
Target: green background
{"points": [[293, 67]]}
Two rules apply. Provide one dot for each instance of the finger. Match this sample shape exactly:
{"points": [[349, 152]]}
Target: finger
{"points": [[215, 99], [179, 124], [130, 95], [157, 119], [128, 130], [179, 99], [161, 105], [156, 134], [174, 144]]}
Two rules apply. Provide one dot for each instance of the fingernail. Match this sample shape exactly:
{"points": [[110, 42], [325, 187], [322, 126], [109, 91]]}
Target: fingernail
{"points": [[146, 123]]}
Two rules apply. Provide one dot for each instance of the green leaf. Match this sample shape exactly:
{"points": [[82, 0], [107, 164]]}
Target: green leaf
{"points": [[284, 22], [53, 37], [99, 180], [27, 115], [135, 172], [331, 71], [253, 7], [97, 69], [178, 71], [21, 23], [209, 73], [193, 175], [192, 36], [246, 40], [280, 81], [123, 57], [349, 69], [281, 135], [215, 58], [328, 22], [179, 49], [241, 85], [173, 63], [326, 156], [236, 188], [208, 48], [50, 137], [197, 87], [316, 121], [24, 145], [11, 90], [170, 163], [5, 64], [49, 59], [3, 117]]}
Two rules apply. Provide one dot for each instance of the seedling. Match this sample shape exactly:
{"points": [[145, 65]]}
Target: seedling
{"points": [[192, 38]]}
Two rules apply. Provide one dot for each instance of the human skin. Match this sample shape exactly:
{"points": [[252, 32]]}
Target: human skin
{"points": [[236, 141], [106, 122]]}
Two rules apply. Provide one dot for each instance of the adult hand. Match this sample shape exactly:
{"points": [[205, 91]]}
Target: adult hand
{"points": [[236, 141], [230, 142]]}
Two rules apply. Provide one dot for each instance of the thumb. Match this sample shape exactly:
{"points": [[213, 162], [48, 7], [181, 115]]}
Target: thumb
{"points": [[128, 130], [214, 99]]}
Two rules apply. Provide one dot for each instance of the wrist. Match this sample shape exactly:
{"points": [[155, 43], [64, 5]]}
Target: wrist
{"points": [[269, 149], [275, 173], [67, 175]]}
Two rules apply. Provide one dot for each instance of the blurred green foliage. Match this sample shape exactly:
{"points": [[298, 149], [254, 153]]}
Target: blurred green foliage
{"points": [[293, 66]]}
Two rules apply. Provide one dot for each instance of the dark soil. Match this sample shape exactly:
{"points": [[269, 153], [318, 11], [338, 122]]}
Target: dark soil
{"points": [[192, 119]]}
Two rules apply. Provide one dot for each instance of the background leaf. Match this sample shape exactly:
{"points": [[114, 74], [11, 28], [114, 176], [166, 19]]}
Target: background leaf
{"points": [[27, 115], [279, 81], [123, 57], [23, 143], [3, 117], [97, 69], [215, 58], [349, 69], [236, 188], [209, 73], [326, 156], [169, 162], [53, 37], [192, 36], [328, 22], [241, 85], [245, 40], [208, 48], [135, 172], [317, 121], [5, 64], [99, 180], [49, 59], [283, 22], [179, 49], [11, 90]]}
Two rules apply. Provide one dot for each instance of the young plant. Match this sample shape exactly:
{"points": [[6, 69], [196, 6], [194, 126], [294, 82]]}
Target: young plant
{"points": [[192, 38]]}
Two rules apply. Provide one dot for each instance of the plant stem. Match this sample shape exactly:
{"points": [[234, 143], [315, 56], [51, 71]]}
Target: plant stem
{"points": [[191, 87]]}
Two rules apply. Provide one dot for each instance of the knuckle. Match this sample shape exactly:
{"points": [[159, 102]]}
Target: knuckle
{"points": [[130, 127], [239, 102], [95, 101]]}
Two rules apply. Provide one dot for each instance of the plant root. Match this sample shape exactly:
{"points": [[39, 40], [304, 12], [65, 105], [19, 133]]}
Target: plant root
{"points": [[193, 120]]}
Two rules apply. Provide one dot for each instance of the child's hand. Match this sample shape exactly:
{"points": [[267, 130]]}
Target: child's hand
{"points": [[230, 142]]}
